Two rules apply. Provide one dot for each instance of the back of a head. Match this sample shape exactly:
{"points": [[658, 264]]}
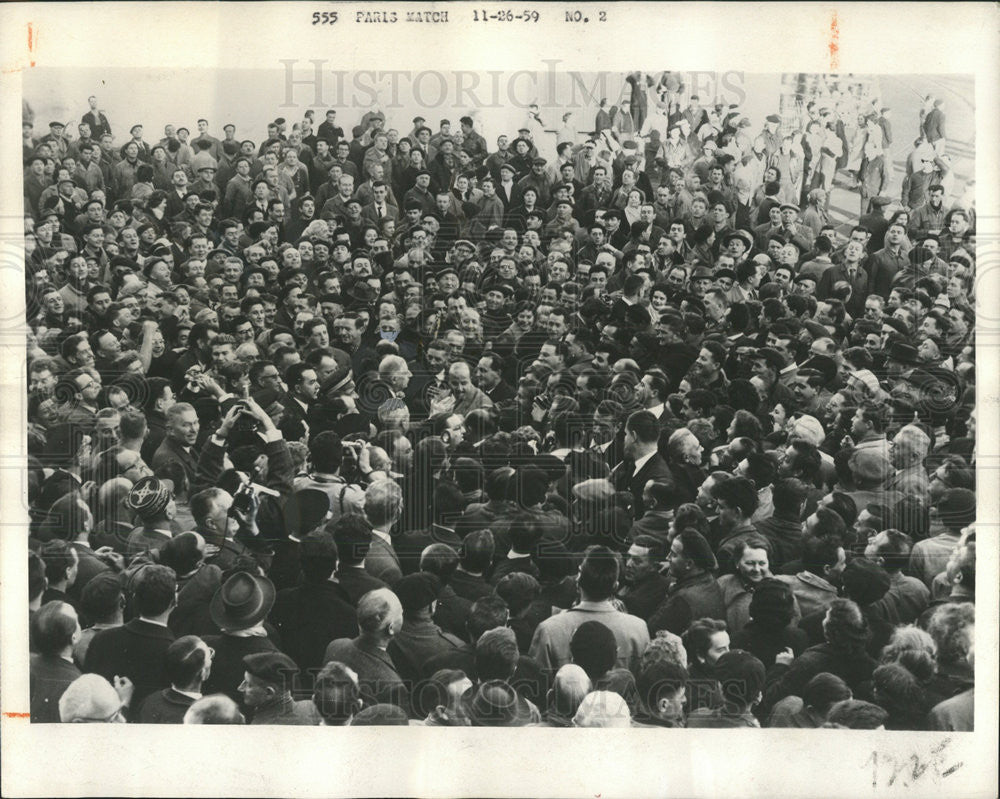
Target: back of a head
{"points": [[183, 552], [214, 709], [383, 500], [525, 533], [856, 714], [697, 549], [909, 638], [897, 689], [823, 691], [440, 560], [844, 626], [644, 425], [518, 590], [487, 613], [594, 648], [352, 534], [659, 679], [951, 626], [336, 693], [497, 482], [741, 677], [53, 627], [326, 452], [468, 474], [570, 686], [102, 597], [529, 484], [319, 556], [155, 590], [377, 609], [496, 654], [477, 551], [89, 698], [598, 577], [602, 709]]}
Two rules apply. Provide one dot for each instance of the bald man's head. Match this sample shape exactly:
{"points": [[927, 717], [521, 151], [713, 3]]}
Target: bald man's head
{"points": [[394, 371], [378, 611], [214, 709], [459, 379], [90, 698]]}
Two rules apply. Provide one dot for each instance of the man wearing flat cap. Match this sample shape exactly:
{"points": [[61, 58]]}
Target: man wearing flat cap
{"points": [[870, 470], [420, 638], [268, 680], [538, 180]]}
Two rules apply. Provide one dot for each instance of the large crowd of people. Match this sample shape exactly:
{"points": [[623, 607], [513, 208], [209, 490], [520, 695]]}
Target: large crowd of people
{"points": [[624, 427]]}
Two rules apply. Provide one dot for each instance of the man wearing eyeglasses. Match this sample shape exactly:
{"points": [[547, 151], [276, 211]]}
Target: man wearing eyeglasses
{"points": [[82, 409]]}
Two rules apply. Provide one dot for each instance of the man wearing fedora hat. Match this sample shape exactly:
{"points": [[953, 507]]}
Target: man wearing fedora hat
{"points": [[238, 609]]}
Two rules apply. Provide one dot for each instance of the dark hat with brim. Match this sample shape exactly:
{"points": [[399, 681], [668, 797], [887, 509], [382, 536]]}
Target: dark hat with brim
{"points": [[742, 235], [242, 602], [362, 294], [904, 353], [495, 704]]}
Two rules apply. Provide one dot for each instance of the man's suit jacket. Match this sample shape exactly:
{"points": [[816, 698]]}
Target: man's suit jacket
{"points": [[859, 287], [390, 212], [624, 480], [410, 546], [135, 650], [383, 562], [293, 423], [356, 582], [311, 616], [49, 677], [165, 707], [171, 461]]}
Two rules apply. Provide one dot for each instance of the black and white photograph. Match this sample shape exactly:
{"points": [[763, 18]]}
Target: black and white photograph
{"points": [[606, 366]]}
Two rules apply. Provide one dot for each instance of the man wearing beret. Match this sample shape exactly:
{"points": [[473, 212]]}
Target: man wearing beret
{"points": [[268, 680], [420, 638]]}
